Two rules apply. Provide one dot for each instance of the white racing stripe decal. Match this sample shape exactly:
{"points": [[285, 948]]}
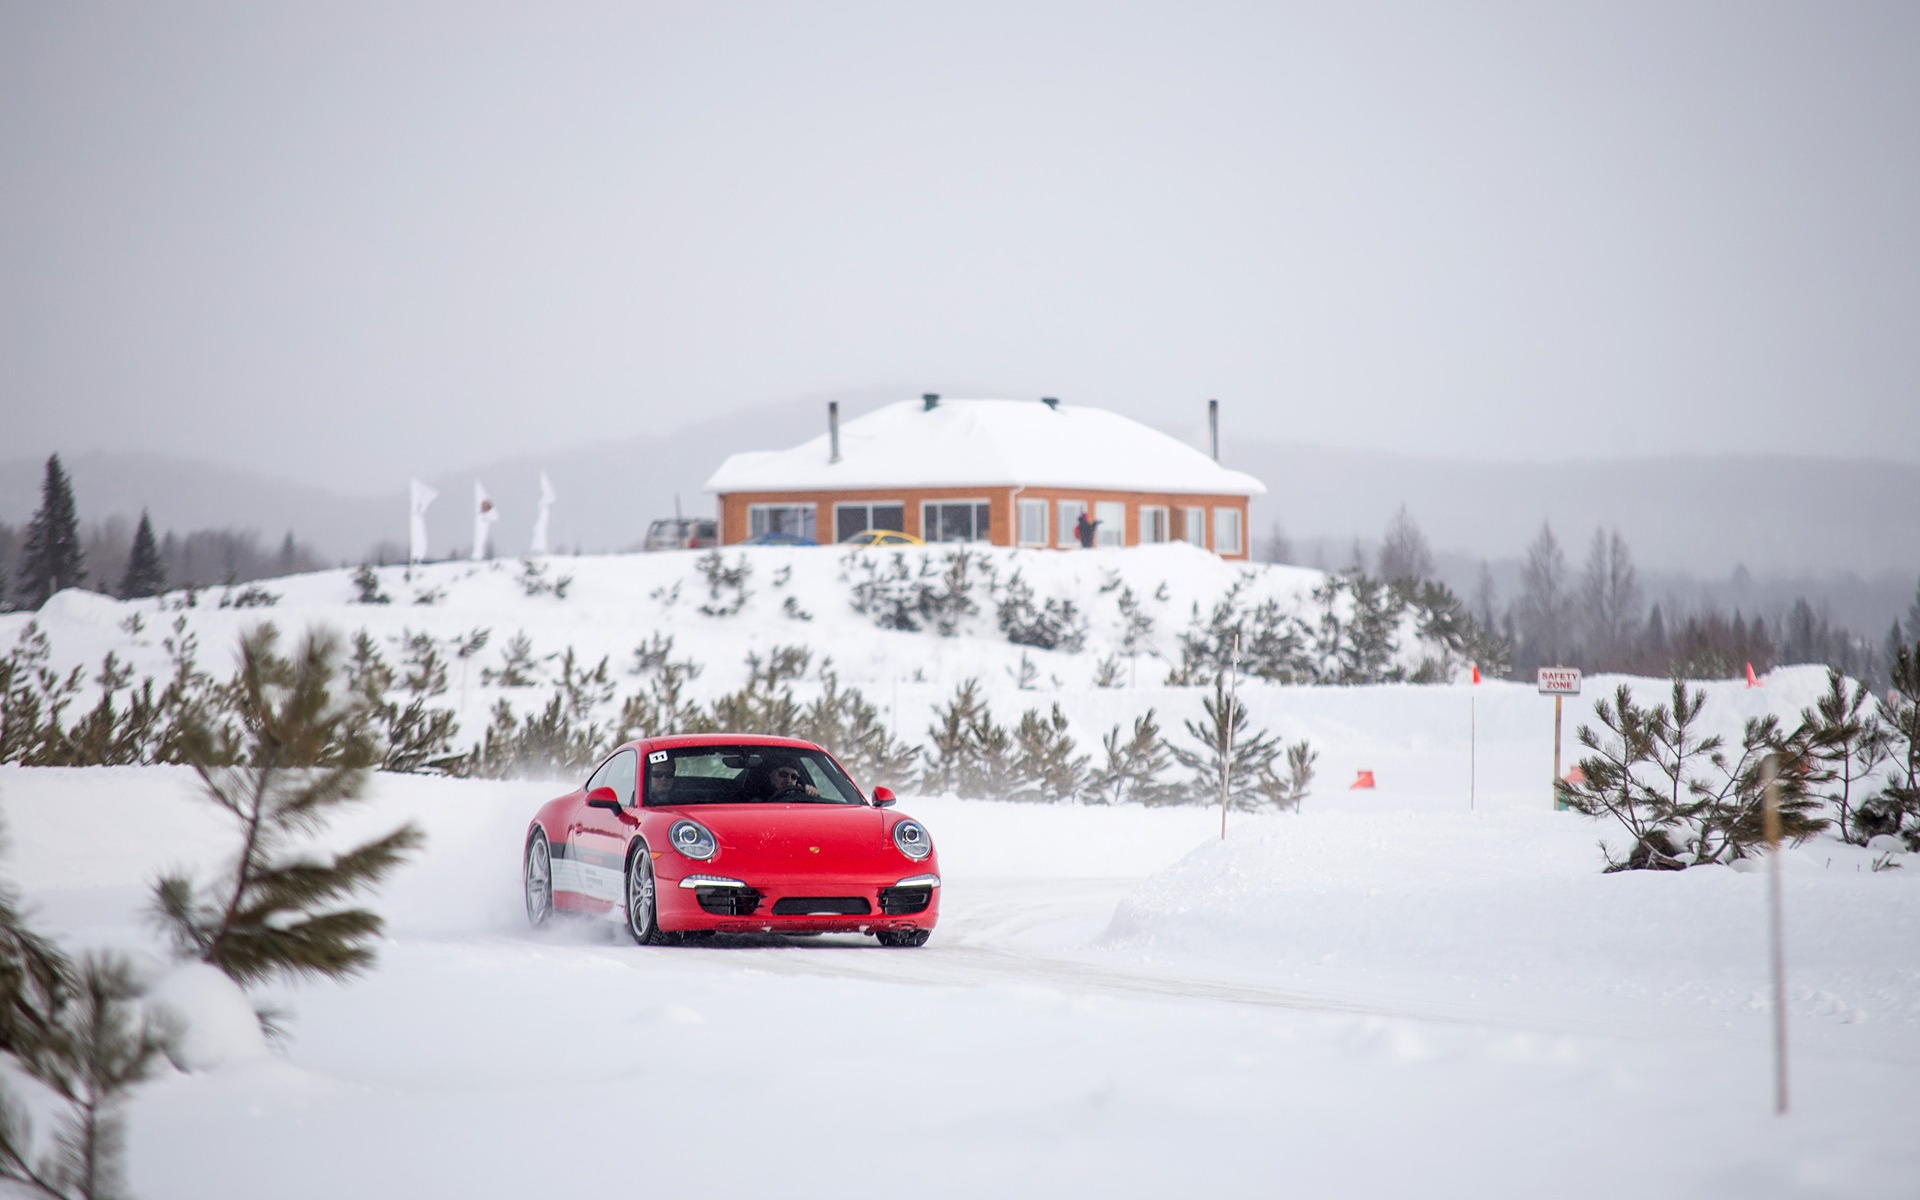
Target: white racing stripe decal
{"points": [[602, 883]]}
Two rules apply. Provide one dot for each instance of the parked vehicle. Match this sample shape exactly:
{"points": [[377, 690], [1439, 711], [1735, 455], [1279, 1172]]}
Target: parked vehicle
{"points": [[698, 834], [882, 537], [682, 533], [779, 538]]}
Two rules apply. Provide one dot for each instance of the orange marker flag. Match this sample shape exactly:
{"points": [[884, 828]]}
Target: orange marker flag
{"points": [[1751, 681], [1365, 781], [1476, 672]]}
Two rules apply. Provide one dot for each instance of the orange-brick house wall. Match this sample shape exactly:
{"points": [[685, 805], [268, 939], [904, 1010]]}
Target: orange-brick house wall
{"points": [[734, 526]]}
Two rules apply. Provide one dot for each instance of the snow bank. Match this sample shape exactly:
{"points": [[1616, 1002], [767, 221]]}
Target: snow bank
{"points": [[210, 1020], [1511, 909]]}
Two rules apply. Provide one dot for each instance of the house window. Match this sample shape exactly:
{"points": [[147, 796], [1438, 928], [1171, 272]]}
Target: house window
{"points": [[955, 521], [1153, 524], [1033, 522], [1112, 531], [1195, 526], [797, 519], [1069, 516], [849, 519], [1226, 531]]}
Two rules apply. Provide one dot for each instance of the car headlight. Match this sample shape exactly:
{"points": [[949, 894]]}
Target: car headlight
{"points": [[692, 839], [912, 840]]}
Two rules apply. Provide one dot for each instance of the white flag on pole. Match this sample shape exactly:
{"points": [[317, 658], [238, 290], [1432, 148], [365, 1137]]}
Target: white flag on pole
{"points": [[540, 520], [421, 497], [484, 515]]}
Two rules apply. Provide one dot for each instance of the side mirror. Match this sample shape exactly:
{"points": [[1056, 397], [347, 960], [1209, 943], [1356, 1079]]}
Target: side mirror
{"points": [[603, 797], [883, 797]]}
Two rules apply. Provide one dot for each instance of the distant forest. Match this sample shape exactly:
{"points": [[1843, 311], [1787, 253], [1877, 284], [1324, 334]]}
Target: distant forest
{"points": [[1596, 617], [1599, 618]]}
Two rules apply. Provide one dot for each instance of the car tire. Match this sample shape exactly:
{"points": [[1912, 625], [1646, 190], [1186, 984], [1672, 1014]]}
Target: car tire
{"points": [[642, 907], [904, 937], [536, 872]]}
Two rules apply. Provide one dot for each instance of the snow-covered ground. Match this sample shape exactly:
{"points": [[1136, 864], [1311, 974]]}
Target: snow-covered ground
{"points": [[1426, 989]]}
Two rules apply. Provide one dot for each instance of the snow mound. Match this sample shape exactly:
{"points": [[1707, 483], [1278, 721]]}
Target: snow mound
{"points": [[213, 1023]]}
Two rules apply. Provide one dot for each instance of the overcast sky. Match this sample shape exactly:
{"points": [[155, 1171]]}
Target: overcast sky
{"points": [[351, 242]]}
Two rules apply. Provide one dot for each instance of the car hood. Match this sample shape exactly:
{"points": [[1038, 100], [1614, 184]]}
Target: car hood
{"points": [[830, 837]]}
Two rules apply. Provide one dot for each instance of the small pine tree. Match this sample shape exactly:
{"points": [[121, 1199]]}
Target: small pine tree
{"points": [[35, 980], [1844, 748], [1898, 801], [518, 666], [303, 750], [953, 755], [1044, 760], [51, 558], [1244, 769], [101, 1046], [145, 576], [1133, 768]]}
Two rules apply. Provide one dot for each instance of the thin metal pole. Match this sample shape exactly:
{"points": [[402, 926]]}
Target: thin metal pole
{"points": [[1226, 763], [1770, 811], [1473, 747]]}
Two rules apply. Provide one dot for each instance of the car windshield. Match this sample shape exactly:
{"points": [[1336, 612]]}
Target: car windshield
{"points": [[745, 775]]}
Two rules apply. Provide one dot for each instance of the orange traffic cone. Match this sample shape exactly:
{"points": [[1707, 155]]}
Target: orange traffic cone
{"points": [[1476, 672], [1365, 781], [1751, 681]]}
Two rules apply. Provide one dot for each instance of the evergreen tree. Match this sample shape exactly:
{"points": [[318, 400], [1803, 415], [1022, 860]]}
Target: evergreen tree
{"points": [[1244, 769], [1134, 766], [1044, 760], [102, 1045], [1899, 715], [144, 576], [303, 750], [950, 761], [1844, 747], [35, 981], [51, 558]]}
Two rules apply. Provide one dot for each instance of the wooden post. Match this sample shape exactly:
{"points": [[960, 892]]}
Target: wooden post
{"points": [[1770, 816], [1226, 763], [1556, 751]]}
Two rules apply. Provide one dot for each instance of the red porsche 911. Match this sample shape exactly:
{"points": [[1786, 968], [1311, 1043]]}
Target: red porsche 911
{"points": [[699, 834]]}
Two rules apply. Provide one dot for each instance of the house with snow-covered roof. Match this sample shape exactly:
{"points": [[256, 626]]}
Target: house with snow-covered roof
{"points": [[1005, 472]]}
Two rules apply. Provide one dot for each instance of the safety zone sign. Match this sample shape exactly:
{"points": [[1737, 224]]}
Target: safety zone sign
{"points": [[1560, 681]]}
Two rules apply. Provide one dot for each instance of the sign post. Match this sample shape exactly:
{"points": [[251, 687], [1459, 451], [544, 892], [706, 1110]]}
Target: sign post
{"points": [[1558, 682]]}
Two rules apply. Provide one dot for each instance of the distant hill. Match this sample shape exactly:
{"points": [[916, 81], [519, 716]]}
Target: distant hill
{"points": [[1706, 516]]}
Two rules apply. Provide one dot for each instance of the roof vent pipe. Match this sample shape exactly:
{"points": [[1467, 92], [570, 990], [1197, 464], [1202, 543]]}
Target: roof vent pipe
{"points": [[833, 430], [931, 400], [1213, 426], [1052, 402]]}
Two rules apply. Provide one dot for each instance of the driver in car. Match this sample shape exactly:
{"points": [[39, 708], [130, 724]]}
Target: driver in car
{"points": [[786, 776]]}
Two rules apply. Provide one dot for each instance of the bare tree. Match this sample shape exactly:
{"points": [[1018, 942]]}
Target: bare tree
{"points": [[1279, 547], [1404, 554], [1609, 601], [1544, 609]]}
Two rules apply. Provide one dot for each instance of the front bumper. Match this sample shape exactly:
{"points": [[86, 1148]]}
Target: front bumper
{"points": [[811, 903]]}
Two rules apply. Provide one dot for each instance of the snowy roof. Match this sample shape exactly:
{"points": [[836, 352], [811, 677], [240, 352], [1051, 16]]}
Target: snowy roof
{"points": [[987, 443]]}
